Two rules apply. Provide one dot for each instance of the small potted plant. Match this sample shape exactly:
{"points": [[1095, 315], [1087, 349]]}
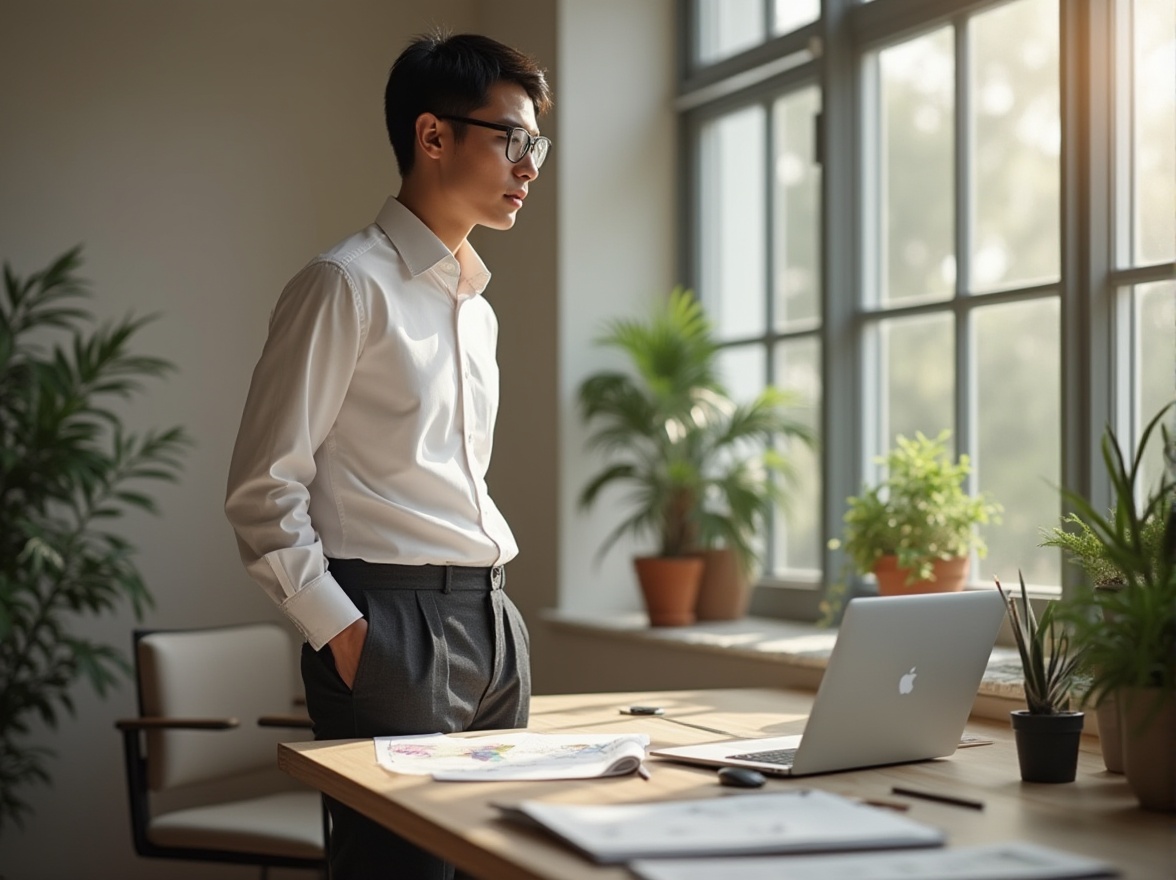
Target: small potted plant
{"points": [[915, 529], [1047, 732], [703, 471], [1128, 629]]}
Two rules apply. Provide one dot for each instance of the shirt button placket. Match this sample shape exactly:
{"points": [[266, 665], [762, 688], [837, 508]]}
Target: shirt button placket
{"points": [[466, 407]]}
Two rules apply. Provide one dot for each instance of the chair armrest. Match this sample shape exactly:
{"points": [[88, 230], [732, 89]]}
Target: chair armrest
{"points": [[163, 723], [279, 720]]}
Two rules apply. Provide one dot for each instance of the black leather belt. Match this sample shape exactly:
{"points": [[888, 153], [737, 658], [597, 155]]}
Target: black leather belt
{"points": [[359, 574]]}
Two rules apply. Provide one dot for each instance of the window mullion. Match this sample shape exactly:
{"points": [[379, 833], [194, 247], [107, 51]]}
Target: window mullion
{"points": [[769, 283], [1088, 312], [842, 275], [769, 232], [965, 391]]}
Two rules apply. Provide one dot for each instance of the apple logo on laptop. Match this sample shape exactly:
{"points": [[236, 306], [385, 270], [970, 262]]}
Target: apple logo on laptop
{"points": [[906, 684]]}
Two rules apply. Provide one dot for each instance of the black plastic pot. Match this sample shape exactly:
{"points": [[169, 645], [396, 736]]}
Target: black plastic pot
{"points": [[1047, 745]]}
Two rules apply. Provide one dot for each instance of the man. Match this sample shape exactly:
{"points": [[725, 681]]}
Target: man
{"points": [[357, 487]]}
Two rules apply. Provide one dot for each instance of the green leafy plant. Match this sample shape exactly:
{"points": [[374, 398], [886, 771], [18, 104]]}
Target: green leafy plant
{"points": [[1049, 663], [701, 469], [1082, 545], [919, 512], [67, 468], [1127, 629]]}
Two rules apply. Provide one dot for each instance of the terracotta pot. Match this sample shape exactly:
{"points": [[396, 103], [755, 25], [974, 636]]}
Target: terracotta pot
{"points": [[1110, 737], [1148, 728], [670, 587], [949, 575], [1047, 745], [724, 591], [1110, 734]]}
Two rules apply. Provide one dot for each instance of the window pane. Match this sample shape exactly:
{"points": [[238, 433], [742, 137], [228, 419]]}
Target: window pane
{"points": [[1017, 130], [1155, 364], [742, 369], [797, 532], [918, 378], [726, 27], [797, 217], [732, 228], [918, 103], [1154, 150], [1018, 455], [791, 14]]}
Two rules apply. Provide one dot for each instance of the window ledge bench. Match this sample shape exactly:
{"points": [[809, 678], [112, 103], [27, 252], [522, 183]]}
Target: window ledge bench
{"points": [[621, 652]]}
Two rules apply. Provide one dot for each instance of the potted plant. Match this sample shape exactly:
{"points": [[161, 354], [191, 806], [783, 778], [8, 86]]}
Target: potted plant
{"points": [[1082, 546], [916, 528], [68, 467], [1047, 732], [702, 471], [1127, 630]]}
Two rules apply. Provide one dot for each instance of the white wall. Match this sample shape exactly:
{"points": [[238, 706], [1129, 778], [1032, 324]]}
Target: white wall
{"points": [[618, 227], [202, 151]]}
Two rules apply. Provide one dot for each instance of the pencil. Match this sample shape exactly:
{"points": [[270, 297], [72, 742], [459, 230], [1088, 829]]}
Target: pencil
{"points": [[643, 772], [941, 798]]}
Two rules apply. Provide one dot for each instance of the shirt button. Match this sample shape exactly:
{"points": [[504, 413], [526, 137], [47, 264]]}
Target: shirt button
{"points": [[450, 267]]}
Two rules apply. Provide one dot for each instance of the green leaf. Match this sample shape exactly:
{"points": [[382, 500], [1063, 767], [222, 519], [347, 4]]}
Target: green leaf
{"points": [[66, 465]]}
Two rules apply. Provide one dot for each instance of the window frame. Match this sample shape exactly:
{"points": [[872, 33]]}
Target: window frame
{"points": [[1095, 292]]}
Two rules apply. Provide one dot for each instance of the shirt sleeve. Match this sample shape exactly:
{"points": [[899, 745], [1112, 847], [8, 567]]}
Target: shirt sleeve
{"points": [[315, 336]]}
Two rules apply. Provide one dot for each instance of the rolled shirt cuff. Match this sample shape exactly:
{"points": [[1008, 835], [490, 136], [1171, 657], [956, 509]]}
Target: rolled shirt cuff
{"points": [[321, 610]]}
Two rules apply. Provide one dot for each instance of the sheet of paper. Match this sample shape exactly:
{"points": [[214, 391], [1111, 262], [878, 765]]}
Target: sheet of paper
{"points": [[1014, 860], [800, 820], [512, 755]]}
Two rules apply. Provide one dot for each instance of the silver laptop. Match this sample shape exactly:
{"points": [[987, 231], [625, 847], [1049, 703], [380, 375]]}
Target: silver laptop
{"points": [[899, 687]]}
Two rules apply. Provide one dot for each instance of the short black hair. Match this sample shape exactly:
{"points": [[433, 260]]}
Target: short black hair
{"points": [[452, 76]]}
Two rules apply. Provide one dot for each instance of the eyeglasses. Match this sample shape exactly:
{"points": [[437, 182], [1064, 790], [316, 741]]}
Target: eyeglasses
{"points": [[518, 141]]}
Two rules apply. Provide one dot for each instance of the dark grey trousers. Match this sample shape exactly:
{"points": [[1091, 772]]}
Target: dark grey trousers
{"points": [[446, 651]]}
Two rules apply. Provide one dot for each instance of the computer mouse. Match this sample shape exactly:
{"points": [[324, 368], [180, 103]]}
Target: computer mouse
{"points": [[741, 777]]}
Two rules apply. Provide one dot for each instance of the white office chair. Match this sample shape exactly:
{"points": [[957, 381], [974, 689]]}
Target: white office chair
{"points": [[204, 696]]}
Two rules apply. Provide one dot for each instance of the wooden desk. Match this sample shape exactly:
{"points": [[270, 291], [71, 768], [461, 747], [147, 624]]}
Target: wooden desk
{"points": [[1096, 815]]}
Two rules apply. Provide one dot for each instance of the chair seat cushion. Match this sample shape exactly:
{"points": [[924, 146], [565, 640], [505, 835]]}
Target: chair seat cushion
{"points": [[284, 824]]}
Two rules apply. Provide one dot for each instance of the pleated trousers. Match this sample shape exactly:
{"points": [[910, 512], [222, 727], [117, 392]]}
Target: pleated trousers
{"points": [[446, 651]]}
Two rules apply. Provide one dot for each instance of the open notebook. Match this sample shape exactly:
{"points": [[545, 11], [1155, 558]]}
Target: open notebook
{"points": [[898, 687]]}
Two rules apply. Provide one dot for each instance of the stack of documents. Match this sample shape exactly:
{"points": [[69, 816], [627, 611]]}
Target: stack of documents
{"points": [[998, 861], [756, 836], [783, 822]]}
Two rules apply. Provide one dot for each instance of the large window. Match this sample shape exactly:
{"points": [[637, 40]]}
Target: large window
{"points": [[966, 259], [759, 210], [1145, 247], [895, 207]]}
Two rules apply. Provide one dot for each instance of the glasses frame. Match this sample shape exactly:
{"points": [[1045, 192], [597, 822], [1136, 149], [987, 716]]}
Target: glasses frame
{"points": [[509, 129]]}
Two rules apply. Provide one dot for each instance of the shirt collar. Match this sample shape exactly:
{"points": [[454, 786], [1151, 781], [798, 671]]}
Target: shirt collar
{"points": [[421, 250]]}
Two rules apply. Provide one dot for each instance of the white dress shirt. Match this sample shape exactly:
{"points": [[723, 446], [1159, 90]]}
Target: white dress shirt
{"points": [[369, 422]]}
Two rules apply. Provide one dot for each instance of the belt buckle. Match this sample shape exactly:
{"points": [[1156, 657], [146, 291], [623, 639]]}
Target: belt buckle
{"points": [[496, 577]]}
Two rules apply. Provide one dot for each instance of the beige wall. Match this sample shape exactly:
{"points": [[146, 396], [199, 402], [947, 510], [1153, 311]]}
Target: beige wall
{"points": [[202, 151], [618, 227]]}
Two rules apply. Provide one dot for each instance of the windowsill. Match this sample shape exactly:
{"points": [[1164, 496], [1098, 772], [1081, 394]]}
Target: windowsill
{"points": [[765, 640]]}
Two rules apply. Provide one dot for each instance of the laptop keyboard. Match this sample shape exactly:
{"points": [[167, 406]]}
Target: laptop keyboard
{"points": [[777, 756]]}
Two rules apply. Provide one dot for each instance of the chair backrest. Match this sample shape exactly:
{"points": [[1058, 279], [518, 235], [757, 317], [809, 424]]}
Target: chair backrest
{"points": [[235, 671]]}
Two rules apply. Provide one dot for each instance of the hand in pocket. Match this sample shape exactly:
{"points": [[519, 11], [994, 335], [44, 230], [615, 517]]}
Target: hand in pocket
{"points": [[346, 648]]}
